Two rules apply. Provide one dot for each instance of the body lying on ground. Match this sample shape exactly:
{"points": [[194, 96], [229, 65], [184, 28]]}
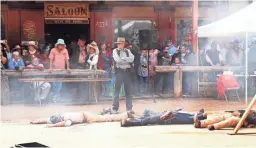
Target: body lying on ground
{"points": [[229, 120], [68, 119], [164, 118]]}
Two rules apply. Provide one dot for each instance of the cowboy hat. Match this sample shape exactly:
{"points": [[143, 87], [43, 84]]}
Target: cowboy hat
{"points": [[60, 42], [120, 40], [94, 46], [32, 43], [17, 47]]}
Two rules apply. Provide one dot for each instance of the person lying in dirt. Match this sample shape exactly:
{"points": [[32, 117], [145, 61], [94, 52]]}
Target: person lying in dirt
{"points": [[150, 117], [68, 119], [229, 120]]}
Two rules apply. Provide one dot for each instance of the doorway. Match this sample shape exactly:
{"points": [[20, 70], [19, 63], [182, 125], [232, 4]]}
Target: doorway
{"points": [[68, 32]]}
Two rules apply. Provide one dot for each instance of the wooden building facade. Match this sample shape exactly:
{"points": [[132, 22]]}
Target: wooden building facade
{"points": [[22, 21]]}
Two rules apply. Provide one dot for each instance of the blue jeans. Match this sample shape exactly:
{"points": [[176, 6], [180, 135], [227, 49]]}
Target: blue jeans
{"points": [[151, 117], [56, 87]]}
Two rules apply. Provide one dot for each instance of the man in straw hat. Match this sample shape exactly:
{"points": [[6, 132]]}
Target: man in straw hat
{"points": [[122, 64], [58, 58], [92, 58]]}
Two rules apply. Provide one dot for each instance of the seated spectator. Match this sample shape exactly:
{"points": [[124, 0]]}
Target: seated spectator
{"points": [[143, 70], [35, 64], [92, 58], [177, 62], [42, 88], [16, 63]]}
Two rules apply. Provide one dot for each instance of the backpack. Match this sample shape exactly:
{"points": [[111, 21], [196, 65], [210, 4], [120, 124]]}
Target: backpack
{"points": [[127, 54]]}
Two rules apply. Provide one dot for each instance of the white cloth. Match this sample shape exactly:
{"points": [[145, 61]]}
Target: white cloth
{"points": [[94, 61], [42, 90], [123, 61]]}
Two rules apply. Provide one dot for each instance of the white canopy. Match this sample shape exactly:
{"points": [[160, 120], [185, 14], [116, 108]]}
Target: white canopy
{"points": [[240, 22]]}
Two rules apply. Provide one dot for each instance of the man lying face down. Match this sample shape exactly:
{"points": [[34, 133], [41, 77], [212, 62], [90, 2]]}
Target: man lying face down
{"points": [[227, 120], [68, 119], [164, 118]]}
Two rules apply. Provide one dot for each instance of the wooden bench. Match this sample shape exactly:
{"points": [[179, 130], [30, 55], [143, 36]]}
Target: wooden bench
{"points": [[178, 72], [28, 76]]}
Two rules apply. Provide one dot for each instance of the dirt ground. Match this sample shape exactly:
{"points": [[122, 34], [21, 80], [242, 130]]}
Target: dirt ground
{"points": [[19, 113], [15, 127]]}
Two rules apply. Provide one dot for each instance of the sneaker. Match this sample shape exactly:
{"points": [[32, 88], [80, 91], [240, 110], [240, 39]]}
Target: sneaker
{"points": [[105, 111], [130, 111], [114, 112]]}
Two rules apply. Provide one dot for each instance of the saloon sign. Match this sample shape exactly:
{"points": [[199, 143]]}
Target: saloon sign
{"points": [[66, 10]]}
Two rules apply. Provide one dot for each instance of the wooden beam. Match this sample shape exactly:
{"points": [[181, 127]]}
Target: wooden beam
{"points": [[246, 113], [74, 72], [178, 84], [195, 25], [65, 80], [197, 68]]}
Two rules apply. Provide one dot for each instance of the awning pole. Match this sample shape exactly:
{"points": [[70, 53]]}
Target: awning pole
{"points": [[246, 68]]}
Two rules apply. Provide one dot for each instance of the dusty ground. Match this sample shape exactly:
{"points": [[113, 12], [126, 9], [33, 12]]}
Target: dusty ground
{"points": [[15, 128]]}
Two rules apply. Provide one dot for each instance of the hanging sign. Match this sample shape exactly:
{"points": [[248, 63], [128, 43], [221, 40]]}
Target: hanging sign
{"points": [[66, 10]]}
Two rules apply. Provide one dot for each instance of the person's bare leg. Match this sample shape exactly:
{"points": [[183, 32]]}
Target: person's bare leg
{"points": [[207, 122], [106, 118], [229, 122], [40, 121]]}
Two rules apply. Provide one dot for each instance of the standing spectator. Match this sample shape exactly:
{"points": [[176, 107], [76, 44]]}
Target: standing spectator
{"points": [[123, 59], [105, 61], [32, 53], [5, 54], [78, 53], [213, 55], [58, 59], [171, 47], [92, 58], [177, 62], [235, 56], [189, 60], [143, 70]]}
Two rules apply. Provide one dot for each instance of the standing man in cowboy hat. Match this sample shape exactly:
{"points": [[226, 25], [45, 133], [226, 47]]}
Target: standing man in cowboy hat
{"points": [[123, 59], [58, 58]]}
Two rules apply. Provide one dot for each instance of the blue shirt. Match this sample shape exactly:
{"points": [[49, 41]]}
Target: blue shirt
{"points": [[172, 50], [12, 64]]}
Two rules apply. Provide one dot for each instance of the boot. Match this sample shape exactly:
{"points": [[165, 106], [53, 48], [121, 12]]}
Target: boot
{"points": [[130, 122]]}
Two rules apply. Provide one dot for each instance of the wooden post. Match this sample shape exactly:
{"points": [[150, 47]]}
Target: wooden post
{"points": [[178, 83], [247, 111], [195, 26], [4, 90]]}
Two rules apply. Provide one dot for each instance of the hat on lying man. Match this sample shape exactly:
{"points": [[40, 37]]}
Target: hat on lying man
{"points": [[60, 42], [120, 40]]}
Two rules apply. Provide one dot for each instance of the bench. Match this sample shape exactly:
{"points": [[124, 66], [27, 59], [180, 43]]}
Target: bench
{"points": [[28, 76]]}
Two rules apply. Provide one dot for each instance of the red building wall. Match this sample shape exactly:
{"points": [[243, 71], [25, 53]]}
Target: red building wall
{"points": [[13, 27], [102, 26], [32, 25]]}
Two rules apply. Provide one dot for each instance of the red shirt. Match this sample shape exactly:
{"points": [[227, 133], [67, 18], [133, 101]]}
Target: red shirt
{"points": [[59, 58]]}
